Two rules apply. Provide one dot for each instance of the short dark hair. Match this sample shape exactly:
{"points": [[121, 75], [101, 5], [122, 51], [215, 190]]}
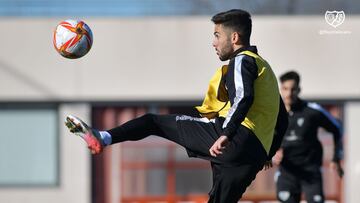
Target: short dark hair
{"points": [[290, 75], [238, 20]]}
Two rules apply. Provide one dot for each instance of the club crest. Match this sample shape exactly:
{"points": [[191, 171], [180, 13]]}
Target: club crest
{"points": [[284, 195], [300, 121], [334, 18]]}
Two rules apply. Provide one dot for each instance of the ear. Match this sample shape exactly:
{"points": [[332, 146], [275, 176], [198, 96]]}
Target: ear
{"points": [[235, 38]]}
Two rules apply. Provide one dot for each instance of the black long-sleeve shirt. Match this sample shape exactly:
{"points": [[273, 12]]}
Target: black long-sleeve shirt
{"points": [[254, 99], [301, 145]]}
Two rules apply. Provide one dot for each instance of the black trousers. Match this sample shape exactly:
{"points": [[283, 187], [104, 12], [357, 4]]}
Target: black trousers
{"points": [[291, 182], [233, 171]]}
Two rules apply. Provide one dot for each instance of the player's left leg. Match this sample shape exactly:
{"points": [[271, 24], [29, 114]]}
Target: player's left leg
{"points": [[288, 187], [195, 134], [313, 187]]}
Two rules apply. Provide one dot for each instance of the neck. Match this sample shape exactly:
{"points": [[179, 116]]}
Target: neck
{"points": [[239, 46], [293, 104], [288, 107], [237, 50]]}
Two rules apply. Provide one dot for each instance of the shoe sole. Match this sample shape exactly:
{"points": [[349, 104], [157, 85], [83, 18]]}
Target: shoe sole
{"points": [[77, 126], [81, 129]]}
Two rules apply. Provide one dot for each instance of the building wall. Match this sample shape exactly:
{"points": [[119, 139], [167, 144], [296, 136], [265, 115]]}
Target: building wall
{"points": [[168, 58]]}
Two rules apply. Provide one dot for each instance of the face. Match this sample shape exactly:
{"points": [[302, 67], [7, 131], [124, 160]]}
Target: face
{"points": [[222, 42], [289, 91]]}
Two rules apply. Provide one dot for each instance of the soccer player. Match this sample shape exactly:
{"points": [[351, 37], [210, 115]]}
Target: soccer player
{"points": [[243, 118], [300, 156]]}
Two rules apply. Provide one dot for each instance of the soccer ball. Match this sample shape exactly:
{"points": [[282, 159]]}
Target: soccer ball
{"points": [[72, 38]]}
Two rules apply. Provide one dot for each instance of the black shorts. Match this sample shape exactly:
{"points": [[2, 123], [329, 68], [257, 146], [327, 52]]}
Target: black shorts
{"points": [[233, 171], [291, 183]]}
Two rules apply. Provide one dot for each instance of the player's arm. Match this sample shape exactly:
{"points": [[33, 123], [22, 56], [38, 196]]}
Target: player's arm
{"points": [[330, 124], [243, 78]]}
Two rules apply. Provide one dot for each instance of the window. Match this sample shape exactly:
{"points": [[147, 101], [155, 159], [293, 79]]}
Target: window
{"points": [[28, 146]]}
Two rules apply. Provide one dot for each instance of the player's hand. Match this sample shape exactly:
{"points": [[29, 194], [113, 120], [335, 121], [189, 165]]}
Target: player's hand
{"points": [[219, 145], [336, 165], [278, 157], [268, 165]]}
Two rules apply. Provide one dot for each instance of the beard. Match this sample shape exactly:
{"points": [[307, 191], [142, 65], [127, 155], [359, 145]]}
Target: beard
{"points": [[226, 52], [224, 57]]}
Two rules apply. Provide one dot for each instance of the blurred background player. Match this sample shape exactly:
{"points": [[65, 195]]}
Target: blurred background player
{"points": [[240, 113], [301, 154]]}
